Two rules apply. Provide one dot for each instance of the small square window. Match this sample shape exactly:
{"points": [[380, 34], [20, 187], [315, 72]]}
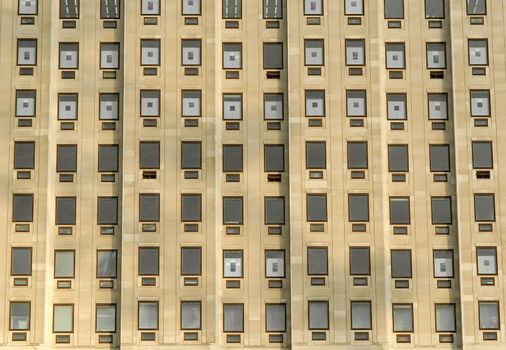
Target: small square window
{"points": [[274, 263], [105, 318], [439, 158], [356, 105], [191, 315], [354, 7], [361, 315], [314, 52], [273, 9], [191, 207], [27, 52], [355, 52], [191, 52], [358, 207], [489, 315], [108, 158], [273, 55], [274, 210], [150, 103], [64, 264], [232, 158], [482, 155], [398, 158], [22, 207], [478, 52], [394, 9], [233, 317], [66, 158], [480, 103], [273, 107], [109, 106], [395, 55], [443, 263], [25, 103], [357, 155], [402, 317], [232, 106], [232, 263], [191, 7], [149, 155], [438, 106], [27, 7], [21, 261], [149, 207], [317, 261], [476, 7], [191, 261], [191, 103], [232, 56], [275, 318], [149, 261], [401, 263], [107, 211], [318, 315], [360, 261], [315, 103], [69, 55], [109, 55], [107, 263], [63, 318], [436, 55], [313, 7], [150, 52], [69, 9], [19, 316], [109, 9], [484, 207], [232, 9], [24, 155], [396, 107], [65, 211], [67, 106], [434, 9], [399, 211], [445, 318], [148, 315], [191, 155], [441, 208], [486, 260], [316, 206], [274, 158], [232, 210], [152, 7]]}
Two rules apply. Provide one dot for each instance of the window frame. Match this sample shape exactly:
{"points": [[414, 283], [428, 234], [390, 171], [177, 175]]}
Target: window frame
{"points": [[68, 94], [346, 13], [267, 330], [97, 306], [141, 97], [482, 142], [351, 91], [194, 248], [487, 63], [157, 303], [157, 214], [447, 146], [434, 270], [412, 317], [370, 314], [447, 112], [30, 195], [232, 95], [150, 142], [18, 97], [118, 106], [233, 198], [184, 167], [189, 14], [396, 276], [273, 43], [28, 13], [158, 59], [241, 251], [28, 328], [434, 43], [280, 16], [26, 40], [266, 95], [308, 260], [97, 264], [73, 318], [268, 169], [476, 14], [326, 302], [183, 41], [199, 219], [429, 17], [356, 194], [498, 308], [324, 195], [116, 199], [316, 142], [16, 160], [154, 14], [111, 43], [226, 65], [408, 222], [315, 91], [350, 260], [450, 200], [405, 101], [314, 41], [139, 265], [63, 43], [489, 103], [398, 146], [265, 210], [363, 47], [181, 327], [266, 274], [493, 206], [78, 3], [393, 43], [232, 18], [454, 318], [496, 267], [394, 18], [73, 264], [348, 155], [191, 91], [115, 166], [102, 16], [57, 220], [30, 265], [225, 330]]}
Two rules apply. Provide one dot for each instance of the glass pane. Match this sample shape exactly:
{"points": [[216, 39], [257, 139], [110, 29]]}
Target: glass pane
{"points": [[107, 210], [443, 263], [149, 155], [273, 55], [67, 106], [315, 103], [476, 7], [20, 316], [360, 261], [65, 211], [441, 210], [274, 263], [233, 317], [394, 9], [398, 158], [489, 315], [22, 210], [275, 318], [150, 103], [358, 207], [274, 210], [356, 103], [316, 155], [191, 104], [25, 103], [152, 7], [64, 264], [395, 55], [318, 315], [63, 319], [191, 261], [69, 8], [109, 106], [106, 264], [484, 207], [439, 158], [314, 52], [109, 8], [273, 106], [361, 315], [445, 318], [24, 155], [486, 260], [232, 107], [232, 158], [108, 158], [232, 210], [317, 261], [273, 9], [191, 7], [149, 207], [232, 56], [401, 263], [434, 9], [191, 155], [438, 106], [316, 205], [232, 263], [191, 207], [482, 155], [399, 210], [232, 8], [66, 158], [190, 315], [21, 262], [106, 318], [403, 318], [148, 315], [274, 158], [357, 155]]}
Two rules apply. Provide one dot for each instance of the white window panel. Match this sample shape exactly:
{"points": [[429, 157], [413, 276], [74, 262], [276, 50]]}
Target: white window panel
{"points": [[355, 52], [396, 106], [395, 56], [232, 263], [25, 103], [69, 55], [232, 107], [438, 106], [150, 103], [109, 106], [191, 52], [63, 318], [150, 52], [67, 106], [191, 7], [273, 106], [192, 103], [313, 7], [314, 51], [354, 7], [27, 7], [478, 52], [274, 263], [27, 52], [315, 103], [436, 55], [232, 56], [150, 7], [480, 103], [443, 263], [356, 103], [487, 260], [109, 56]]}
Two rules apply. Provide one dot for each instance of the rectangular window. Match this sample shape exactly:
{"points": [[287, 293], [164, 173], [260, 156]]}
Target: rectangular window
{"points": [[109, 55], [274, 263], [149, 155], [273, 106], [24, 155], [107, 211], [107, 263], [19, 316], [441, 210], [484, 207], [436, 55], [355, 52], [480, 103], [148, 315], [317, 261], [191, 52], [434, 9], [273, 9], [149, 261], [274, 210], [233, 318], [445, 318], [22, 207], [109, 9], [27, 52], [439, 158], [69, 9], [313, 7], [108, 158], [232, 210], [232, 263], [486, 260], [315, 103], [64, 264], [318, 315], [476, 7], [191, 261], [63, 318], [67, 106], [489, 315], [105, 318], [438, 106], [316, 207], [316, 157], [150, 52], [232, 158], [398, 158], [69, 56], [191, 7], [27, 7], [394, 9], [358, 207], [149, 207], [191, 315], [150, 103], [361, 315], [21, 261], [402, 315], [478, 52], [357, 155], [191, 207], [354, 7], [360, 261], [65, 211], [356, 105], [395, 55], [191, 103], [232, 56], [274, 158], [232, 106], [482, 155], [191, 155], [401, 263], [399, 211], [25, 103], [152, 7], [443, 264], [109, 106], [232, 9], [314, 50], [275, 318], [273, 55]]}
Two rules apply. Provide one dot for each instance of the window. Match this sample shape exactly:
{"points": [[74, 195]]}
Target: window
{"points": [[149, 261], [64, 261], [232, 106], [274, 263], [69, 56], [395, 55], [105, 318], [149, 155], [434, 9], [150, 103], [398, 158], [358, 207], [25, 103], [396, 107], [69, 9], [191, 261], [482, 155], [394, 9], [360, 261], [232, 158], [191, 7], [357, 155], [66, 158], [21, 261], [191, 207], [63, 318], [273, 9], [315, 103], [19, 316], [273, 106], [149, 207], [476, 7], [67, 106], [401, 263], [109, 106], [318, 315], [108, 158], [107, 263], [316, 205], [109, 55], [27, 7], [274, 158], [232, 9], [354, 7], [232, 264], [438, 106], [27, 52], [273, 55], [486, 260], [313, 7], [191, 103], [191, 315], [316, 155], [150, 52], [65, 211], [484, 207], [361, 315], [445, 318], [232, 210], [355, 52], [402, 315], [109, 9], [152, 7], [314, 52], [443, 263], [148, 315], [22, 207], [436, 55], [191, 155], [232, 56], [399, 211], [489, 315], [233, 318], [441, 210], [439, 158], [478, 52], [274, 210], [24, 155], [356, 105], [107, 210], [317, 261], [480, 103], [191, 52], [275, 317]]}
